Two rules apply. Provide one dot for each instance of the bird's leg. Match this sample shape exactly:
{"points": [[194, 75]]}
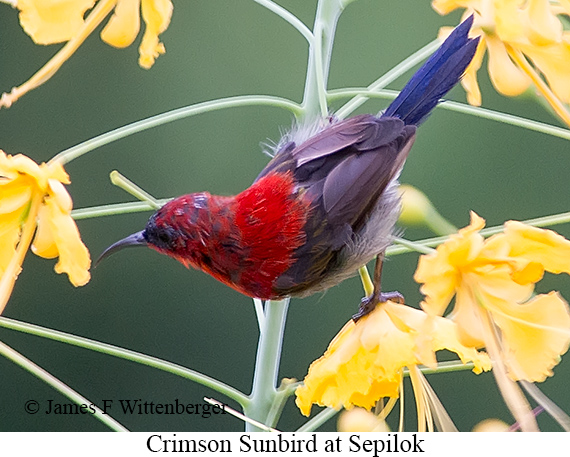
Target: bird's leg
{"points": [[367, 304]]}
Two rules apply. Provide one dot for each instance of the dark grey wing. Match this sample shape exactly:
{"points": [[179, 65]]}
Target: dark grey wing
{"points": [[366, 131], [348, 165], [343, 170]]}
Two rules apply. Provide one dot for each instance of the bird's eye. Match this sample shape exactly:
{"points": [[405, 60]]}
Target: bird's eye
{"points": [[164, 237]]}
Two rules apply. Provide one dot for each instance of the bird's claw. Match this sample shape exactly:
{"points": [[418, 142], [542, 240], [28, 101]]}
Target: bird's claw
{"points": [[368, 304]]}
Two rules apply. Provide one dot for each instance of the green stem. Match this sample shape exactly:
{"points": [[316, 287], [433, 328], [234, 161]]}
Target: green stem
{"points": [[276, 410], [413, 245], [445, 367], [265, 400], [170, 116], [289, 17], [58, 385], [388, 77], [506, 119], [130, 187], [320, 51], [114, 209], [318, 420], [476, 111], [127, 354], [264, 390]]}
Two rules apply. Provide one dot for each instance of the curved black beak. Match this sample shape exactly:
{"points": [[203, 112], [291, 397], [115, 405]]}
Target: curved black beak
{"points": [[136, 239]]}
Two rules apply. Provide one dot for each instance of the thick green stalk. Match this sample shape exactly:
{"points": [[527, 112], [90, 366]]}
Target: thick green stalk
{"points": [[320, 51], [264, 390]]}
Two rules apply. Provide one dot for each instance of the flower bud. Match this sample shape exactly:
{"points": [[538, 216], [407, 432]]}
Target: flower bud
{"points": [[491, 425], [360, 420], [415, 206], [417, 210]]}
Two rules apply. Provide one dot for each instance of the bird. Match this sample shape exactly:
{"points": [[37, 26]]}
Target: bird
{"points": [[325, 204]]}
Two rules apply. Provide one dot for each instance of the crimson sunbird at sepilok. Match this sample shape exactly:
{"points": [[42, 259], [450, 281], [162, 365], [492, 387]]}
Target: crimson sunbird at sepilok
{"points": [[324, 206]]}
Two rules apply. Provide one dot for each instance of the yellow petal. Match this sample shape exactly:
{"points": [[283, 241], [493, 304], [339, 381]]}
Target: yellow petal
{"points": [[469, 80], [497, 281], [124, 25], [446, 6], [544, 27], [60, 195], [44, 242], [52, 21], [432, 334], [55, 171], [439, 272], [495, 247], [565, 4], [156, 14], [445, 336], [465, 314], [12, 166], [510, 20], [15, 194], [365, 361], [73, 255], [7, 171], [535, 335], [554, 62], [354, 371], [545, 247], [9, 234], [497, 253], [507, 78], [439, 280]]}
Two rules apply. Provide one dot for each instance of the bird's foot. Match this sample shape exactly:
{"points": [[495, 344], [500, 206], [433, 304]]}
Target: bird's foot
{"points": [[368, 304]]}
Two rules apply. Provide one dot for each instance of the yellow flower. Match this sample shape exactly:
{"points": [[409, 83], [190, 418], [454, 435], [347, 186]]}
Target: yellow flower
{"points": [[497, 276], [365, 361], [514, 31], [56, 21], [33, 197], [493, 281]]}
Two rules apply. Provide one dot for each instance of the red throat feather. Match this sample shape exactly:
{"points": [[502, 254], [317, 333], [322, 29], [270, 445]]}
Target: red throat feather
{"points": [[271, 215]]}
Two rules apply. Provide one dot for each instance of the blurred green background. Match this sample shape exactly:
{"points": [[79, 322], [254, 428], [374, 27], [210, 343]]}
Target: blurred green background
{"points": [[150, 303]]}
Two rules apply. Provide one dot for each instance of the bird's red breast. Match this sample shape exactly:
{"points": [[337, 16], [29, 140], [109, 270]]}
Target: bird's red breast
{"points": [[246, 241]]}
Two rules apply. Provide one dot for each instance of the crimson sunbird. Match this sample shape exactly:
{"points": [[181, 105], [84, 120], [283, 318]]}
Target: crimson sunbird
{"points": [[324, 206]]}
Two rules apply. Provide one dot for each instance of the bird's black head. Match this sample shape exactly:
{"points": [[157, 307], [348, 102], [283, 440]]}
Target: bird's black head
{"points": [[160, 235]]}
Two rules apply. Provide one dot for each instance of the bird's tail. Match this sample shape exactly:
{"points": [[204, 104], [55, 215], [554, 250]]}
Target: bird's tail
{"points": [[436, 77]]}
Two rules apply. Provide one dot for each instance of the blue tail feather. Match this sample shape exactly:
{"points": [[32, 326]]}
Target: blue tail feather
{"points": [[436, 77]]}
